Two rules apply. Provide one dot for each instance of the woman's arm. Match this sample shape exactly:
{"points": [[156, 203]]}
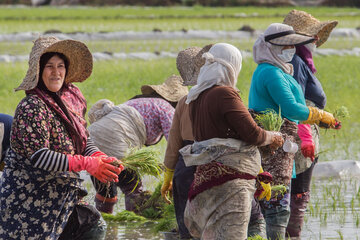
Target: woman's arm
{"points": [[280, 91]]}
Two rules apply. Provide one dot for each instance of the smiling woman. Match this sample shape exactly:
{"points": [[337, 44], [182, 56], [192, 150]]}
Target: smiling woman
{"points": [[53, 70]]}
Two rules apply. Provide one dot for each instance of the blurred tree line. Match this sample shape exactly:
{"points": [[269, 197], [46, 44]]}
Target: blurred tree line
{"points": [[352, 3]]}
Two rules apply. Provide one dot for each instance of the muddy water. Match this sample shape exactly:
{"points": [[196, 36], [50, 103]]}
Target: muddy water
{"points": [[333, 213]]}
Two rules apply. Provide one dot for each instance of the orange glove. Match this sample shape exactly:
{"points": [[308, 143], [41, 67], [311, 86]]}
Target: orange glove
{"points": [[96, 166], [321, 118], [167, 184]]}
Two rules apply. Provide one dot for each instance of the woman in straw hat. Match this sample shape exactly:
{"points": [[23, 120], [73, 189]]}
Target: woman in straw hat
{"points": [[304, 70], [225, 150], [41, 187], [178, 177], [142, 120], [273, 87]]}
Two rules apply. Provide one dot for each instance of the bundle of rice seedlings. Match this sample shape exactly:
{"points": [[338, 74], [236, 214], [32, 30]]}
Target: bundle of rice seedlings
{"points": [[278, 189], [341, 113], [124, 216], [270, 120], [142, 161]]}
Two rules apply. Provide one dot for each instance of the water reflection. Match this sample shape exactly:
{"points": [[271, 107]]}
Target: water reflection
{"points": [[131, 231]]}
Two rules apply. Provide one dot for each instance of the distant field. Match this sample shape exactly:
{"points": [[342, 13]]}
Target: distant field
{"points": [[109, 19], [127, 46]]}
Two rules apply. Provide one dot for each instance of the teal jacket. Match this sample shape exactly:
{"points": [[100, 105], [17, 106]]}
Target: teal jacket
{"points": [[271, 87]]}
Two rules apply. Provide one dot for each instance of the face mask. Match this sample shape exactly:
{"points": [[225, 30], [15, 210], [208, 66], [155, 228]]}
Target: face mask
{"points": [[287, 54], [311, 47]]}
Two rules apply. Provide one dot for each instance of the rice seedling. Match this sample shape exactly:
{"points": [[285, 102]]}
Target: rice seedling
{"points": [[270, 120], [124, 216], [341, 113], [143, 161]]}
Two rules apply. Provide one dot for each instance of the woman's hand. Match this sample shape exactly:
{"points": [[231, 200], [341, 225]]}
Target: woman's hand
{"points": [[276, 141], [166, 187], [99, 167]]}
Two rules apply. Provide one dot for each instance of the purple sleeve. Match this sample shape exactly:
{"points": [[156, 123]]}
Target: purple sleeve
{"points": [[166, 117]]}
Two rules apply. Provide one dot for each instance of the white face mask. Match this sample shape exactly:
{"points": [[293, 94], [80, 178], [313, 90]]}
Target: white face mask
{"points": [[311, 47], [287, 54]]}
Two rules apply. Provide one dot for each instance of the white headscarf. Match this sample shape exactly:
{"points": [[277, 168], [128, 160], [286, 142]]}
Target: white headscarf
{"points": [[267, 52], [222, 67]]}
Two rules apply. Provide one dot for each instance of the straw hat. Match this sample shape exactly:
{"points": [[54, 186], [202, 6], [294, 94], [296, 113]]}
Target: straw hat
{"points": [[172, 89], [78, 55], [304, 23], [284, 35], [189, 62]]}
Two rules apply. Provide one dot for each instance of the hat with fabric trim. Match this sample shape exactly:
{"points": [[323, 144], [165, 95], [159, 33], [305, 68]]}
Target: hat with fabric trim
{"points": [[77, 53], [284, 35], [304, 23]]}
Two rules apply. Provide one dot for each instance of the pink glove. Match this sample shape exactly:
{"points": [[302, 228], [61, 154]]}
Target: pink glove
{"points": [[97, 167], [106, 159], [307, 143]]}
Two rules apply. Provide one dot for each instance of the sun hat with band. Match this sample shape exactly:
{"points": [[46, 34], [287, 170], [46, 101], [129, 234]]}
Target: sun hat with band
{"points": [[304, 23], [189, 61], [172, 89], [284, 35], [78, 55]]}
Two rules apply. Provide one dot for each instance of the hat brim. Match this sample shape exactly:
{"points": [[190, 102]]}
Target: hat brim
{"points": [[162, 91], [324, 31], [79, 57], [169, 90], [292, 39]]}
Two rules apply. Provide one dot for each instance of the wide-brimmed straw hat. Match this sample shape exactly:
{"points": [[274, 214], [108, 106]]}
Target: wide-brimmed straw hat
{"points": [[172, 89], [284, 35], [304, 23], [189, 62], [77, 53]]}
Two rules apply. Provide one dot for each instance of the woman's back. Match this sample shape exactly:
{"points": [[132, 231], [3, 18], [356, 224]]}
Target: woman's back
{"points": [[271, 88]]}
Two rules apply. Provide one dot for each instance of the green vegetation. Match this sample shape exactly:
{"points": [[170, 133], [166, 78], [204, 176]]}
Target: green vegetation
{"points": [[143, 161], [270, 120], [107, 19]]}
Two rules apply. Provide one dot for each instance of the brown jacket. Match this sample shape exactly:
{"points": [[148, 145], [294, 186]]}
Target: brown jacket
{"points": [[219, 112], [180, 130]]}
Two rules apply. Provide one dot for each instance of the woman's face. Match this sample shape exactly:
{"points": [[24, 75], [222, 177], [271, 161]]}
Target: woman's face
{"points": [[54, 74]]}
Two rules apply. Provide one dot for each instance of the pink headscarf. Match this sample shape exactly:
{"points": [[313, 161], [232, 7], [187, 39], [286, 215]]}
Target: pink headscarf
{"points": [[305, 54]]}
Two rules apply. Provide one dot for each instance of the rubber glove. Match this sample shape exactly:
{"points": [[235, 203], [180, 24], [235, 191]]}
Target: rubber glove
{"points": [[167, 184], [322, 118], [96, 166], [108, 159], [307, 143], [266, 193]]}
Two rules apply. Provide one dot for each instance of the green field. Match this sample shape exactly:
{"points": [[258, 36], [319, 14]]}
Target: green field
{"points": [[107, 19]]}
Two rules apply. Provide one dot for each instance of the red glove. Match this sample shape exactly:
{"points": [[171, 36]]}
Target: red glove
{"points": [[106, 158], [96, 166], [307, 143]]}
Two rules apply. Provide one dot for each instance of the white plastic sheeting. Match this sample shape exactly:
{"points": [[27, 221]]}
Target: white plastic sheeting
{"points": [[337, 169], [155, 35], [100, 56]]}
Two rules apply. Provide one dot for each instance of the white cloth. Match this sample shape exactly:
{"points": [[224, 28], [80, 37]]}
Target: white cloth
{"points": [[265, 52], [115, 131], [222, 67]]}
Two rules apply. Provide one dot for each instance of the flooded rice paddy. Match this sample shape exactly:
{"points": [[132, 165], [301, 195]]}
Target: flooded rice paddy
{"points": [[333, 211]]}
